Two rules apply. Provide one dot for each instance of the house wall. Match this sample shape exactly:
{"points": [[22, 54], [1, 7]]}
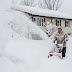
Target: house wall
{"points": [[65, 29], [42, 27], [47, 19]]}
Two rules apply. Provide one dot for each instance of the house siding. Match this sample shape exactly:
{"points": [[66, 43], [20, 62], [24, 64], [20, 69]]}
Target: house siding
{"points": [[47, 19], [68, 29], [53, 20], [65, 29]]}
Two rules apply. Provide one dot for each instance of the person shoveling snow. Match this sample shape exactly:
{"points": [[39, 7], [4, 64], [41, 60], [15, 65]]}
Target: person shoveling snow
{"points": [[60, 48]]}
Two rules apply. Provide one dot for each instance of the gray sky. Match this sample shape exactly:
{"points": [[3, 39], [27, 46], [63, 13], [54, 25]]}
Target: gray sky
{"points": [[67, 6]]}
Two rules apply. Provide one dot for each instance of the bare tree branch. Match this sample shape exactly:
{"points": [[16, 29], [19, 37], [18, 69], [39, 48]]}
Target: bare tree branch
{"points": [[28, 3], [58, 5], [47, 3], [53, 2], [50, 4]]}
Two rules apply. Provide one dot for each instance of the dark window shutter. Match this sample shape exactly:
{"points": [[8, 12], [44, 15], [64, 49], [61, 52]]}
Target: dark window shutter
{"points": [[65, 23], [56, 22], [60, 22], [44, 19], [32, 19]]}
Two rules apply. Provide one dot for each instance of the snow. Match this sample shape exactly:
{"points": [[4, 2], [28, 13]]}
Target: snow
{"points": [[22, 55], [41, 12], [3, 24], [31, 56], [21, 24]]}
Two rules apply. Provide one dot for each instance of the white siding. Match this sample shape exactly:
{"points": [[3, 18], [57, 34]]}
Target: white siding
{"points": [[65, 29]]}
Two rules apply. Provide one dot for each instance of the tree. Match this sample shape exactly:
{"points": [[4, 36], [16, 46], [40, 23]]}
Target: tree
{"points": [[28, 3], [50, 4]]}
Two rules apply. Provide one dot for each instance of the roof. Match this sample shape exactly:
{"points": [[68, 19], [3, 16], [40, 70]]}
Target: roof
{"points": [[41, 12]]}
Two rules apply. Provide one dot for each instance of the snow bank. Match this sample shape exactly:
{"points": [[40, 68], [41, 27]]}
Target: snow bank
{"points": [[27, 51], [34, 57], [3, 29], [22, 25], [41, 12]]}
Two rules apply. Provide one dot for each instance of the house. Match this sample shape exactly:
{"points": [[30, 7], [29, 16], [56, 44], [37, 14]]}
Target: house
{"points": [[41, 16]]}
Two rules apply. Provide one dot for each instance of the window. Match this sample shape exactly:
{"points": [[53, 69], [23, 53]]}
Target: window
{"points": [[39, 21], [67, 23], [58, 22], [34, 19]]}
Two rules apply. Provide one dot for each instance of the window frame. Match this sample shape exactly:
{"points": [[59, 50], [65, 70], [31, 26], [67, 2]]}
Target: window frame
{"points": [[57, 21], [67, 25], [42, 20]]}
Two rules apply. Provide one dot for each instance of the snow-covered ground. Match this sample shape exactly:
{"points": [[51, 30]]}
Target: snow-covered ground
{"points": [[24, 55], [4, 5], [32, 56]]}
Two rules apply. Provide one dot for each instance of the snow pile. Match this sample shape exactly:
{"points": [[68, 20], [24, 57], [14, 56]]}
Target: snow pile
{"points": [[28, 51], [31, 55], [3, 37], [41, 12], [14, 36], [3, 29], [23, 25]]}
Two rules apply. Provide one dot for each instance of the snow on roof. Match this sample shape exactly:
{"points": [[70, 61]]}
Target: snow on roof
{"points": [[41, 12]]}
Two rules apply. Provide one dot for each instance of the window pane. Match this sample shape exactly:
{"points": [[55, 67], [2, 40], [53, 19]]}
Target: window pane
{"points": [[38, 21], [58, 22], [42, 20], [34, 19], [67, 23], [42, 23]]}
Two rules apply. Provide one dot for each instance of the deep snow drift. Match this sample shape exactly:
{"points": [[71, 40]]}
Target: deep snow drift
{"points": [[27, 55], [4, 19], [31, 55]]}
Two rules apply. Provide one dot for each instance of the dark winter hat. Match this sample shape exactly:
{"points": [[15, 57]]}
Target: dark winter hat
{"points": [[59, 28]]}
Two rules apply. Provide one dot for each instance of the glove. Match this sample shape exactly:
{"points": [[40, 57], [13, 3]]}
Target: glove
{"points": [[54, 41]]}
